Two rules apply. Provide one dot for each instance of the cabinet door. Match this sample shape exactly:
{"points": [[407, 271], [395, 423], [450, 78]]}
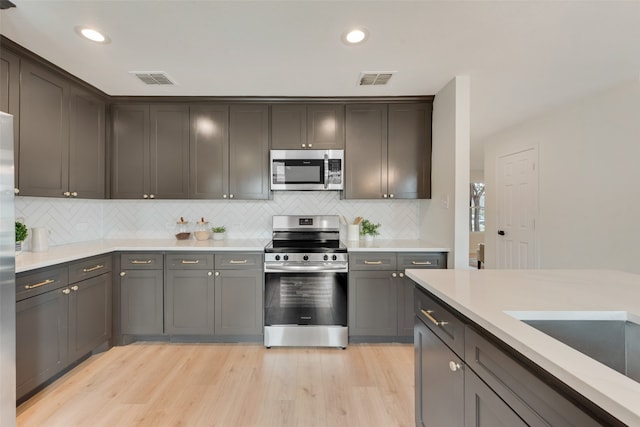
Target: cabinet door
{"points": [[325, 127], [10, 98], [169, 151], [209, 151], [189, 301], [130, 148], [249, 152], [86, 145], [409, 161], [44, 132], [288, 126], [89, 315], [483, 408], [405, 306], [239, 302], [366, 151], [41, 339], [141, 302], [373, 303], [439, 381]]}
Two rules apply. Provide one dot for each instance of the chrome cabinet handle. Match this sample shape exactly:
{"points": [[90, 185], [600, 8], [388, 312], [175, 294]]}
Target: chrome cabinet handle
{"points": [[16, 191], [217, 273], [186, 261], [454, 366], [74, 194], [401, 275], [421, 262], [152, 196], [66, 291], [137, 261], [231, 196], [394, 275], [372, 262], [310, 145], [37, 285], [123, 273], [391, 196], [238, 261], [145, 196], [88, 270], [326, 170], [384, 196], [66, 194], [209, 273], [304, 145], [433, 320], [74, 288]]}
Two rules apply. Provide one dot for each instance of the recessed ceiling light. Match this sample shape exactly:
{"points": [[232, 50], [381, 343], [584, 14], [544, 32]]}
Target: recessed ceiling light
{"points": [[355, 36], [92, 34]]}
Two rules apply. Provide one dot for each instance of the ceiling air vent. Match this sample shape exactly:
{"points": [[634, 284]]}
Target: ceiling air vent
{"points": [[153, 77], [375, 78]]}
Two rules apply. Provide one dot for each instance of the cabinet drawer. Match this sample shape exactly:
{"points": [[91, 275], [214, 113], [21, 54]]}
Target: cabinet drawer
{"points": [[141, 261], [36, 283], [89, 267], [372, 261], [422, 260], [189, 261], [239, 260], [444, 323]]}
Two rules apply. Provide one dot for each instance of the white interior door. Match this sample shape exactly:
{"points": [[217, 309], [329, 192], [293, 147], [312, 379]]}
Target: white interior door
{"points": [[517, 196]]}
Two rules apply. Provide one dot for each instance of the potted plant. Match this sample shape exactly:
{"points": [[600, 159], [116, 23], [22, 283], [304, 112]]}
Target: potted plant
{"points": [[21, 235], [369, 229], [218, 232]]}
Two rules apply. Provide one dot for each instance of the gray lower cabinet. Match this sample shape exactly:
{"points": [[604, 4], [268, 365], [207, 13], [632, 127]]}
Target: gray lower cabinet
{"points": [[465, 379], [381, 297], [141, 293], [189, 294], [239, 282], [62, 314]]}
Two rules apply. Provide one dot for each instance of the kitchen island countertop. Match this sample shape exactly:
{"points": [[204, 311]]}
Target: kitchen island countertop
{"points": [[492, 299]]}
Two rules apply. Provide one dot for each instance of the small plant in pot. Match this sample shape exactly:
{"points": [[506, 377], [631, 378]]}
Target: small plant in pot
{"points": [[21, 235], [218, 232], [369, 230]]}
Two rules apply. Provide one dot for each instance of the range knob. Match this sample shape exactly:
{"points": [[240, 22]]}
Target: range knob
{"points": [[306, 257], [335, 257], [286, 257], [326, 257], [277, 257]]}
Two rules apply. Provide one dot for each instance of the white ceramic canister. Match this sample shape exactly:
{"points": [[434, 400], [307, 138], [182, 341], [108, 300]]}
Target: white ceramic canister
{"points": [[39, 239]]}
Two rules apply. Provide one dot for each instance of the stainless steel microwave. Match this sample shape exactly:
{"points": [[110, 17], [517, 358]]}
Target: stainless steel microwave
{"points": [[307, 169]]}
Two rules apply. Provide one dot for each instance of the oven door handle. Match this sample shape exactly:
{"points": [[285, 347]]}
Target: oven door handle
{"points": [[305, 268], [326, 171]]}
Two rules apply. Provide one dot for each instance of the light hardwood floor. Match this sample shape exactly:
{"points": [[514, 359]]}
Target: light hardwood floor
{"points": [[231, 385]]}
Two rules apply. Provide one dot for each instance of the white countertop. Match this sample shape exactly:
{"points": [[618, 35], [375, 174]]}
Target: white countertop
{"points": [[26, 261], [393, 245], [484, 296]]}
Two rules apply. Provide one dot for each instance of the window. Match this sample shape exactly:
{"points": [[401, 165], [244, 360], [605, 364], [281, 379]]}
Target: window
{"points": [[476, 203]]}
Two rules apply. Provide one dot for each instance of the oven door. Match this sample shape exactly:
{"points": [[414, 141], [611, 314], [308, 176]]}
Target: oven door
{"points": [[305, 298]]}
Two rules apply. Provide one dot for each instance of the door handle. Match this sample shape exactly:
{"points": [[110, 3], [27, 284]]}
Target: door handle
{"points": [[501, 232]]}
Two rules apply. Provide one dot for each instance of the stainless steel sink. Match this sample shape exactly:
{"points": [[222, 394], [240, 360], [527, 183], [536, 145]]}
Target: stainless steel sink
{"points": [[611, 338]]}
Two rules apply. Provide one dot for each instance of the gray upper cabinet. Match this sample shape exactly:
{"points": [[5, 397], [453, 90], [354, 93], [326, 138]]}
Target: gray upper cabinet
{"points": [[10, 98], [229, 151], [62, 137], [249, 152], [150, 151], [86, 145], [409, 151], [302, 126], [209, 147], [391, 143], [44, 132]]}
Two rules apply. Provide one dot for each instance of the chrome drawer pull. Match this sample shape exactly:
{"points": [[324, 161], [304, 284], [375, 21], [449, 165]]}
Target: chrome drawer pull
{"points": [[88, 270], [186, 261], [421, 262], [136, 261], [372, 262], [37, 285], [238, 261], [435, 321]]}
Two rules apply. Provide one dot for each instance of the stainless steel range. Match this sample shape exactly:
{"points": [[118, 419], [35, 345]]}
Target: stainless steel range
{"points": [[306, 268]]}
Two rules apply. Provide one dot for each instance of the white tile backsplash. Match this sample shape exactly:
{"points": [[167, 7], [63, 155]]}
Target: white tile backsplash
{"points": [[74, 220]]}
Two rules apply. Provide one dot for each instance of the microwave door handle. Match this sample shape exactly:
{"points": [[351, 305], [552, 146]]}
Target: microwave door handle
{"points": [[326, 171]]}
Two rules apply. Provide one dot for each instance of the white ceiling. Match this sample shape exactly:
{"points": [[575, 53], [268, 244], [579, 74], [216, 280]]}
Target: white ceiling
{"points": [[522, 56]]}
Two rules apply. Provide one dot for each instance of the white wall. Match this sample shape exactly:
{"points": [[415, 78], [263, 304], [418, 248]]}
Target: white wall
{"points": [[589, 180], [445, 218]]}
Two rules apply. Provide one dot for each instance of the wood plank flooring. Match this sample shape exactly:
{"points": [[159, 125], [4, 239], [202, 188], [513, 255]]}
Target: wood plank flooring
{"points": [[231, 385]]}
